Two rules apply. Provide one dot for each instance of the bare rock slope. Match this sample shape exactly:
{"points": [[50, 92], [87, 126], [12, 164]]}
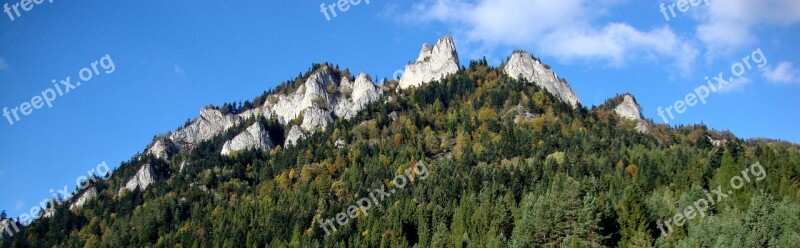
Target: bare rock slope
{"points": [[254, 137], [143, 178], [522, 65]]}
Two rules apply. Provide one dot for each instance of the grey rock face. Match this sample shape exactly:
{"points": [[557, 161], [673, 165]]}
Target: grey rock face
{"points": [[523, 65], [295, 134], [364, 92], [210, 123], [315, 118], [345, 85], [90, 193], [254, 137], [432, 64], [142, 179], [522, 114], [629, 109], [162, 148], [320, 97], [312, 93]]}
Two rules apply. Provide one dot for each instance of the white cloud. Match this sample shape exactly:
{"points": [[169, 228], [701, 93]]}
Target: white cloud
{"points": [[18, 205], [3, 65], [727, 25], [178, 70], [784, 73], [565, 29], [736, 85]]}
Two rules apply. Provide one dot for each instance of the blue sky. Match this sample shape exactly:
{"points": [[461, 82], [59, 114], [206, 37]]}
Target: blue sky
{"points": [[171, 58]]}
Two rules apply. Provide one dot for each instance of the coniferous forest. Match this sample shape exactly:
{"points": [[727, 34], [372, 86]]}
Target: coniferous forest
{"points": [[565, 178]]}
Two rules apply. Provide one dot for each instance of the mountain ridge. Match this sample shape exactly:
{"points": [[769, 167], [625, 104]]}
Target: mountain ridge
{"points": [[491, 140]]}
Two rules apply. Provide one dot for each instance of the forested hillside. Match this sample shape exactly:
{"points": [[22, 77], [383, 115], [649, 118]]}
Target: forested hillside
{"points": [[509, 165]]}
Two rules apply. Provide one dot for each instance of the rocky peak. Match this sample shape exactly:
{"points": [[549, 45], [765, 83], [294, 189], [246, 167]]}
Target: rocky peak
{"points": [[142, 179], [522, 65], [629, 108], [364, 92], [345, 85], [362, 86], [432, 64], [254, 137]]}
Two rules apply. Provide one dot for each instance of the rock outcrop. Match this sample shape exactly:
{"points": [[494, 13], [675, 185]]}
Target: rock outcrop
{"points": [[295, 134], [143, 178], [254, 137], [433, 63], [315, 118], [716, 142], [210, 123], [313, 93], [629, 109], [89, 194], [522, 65], [8, 228], [323, 95], [162, 148], [522, 114], [340, 143], [364, 92]]}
